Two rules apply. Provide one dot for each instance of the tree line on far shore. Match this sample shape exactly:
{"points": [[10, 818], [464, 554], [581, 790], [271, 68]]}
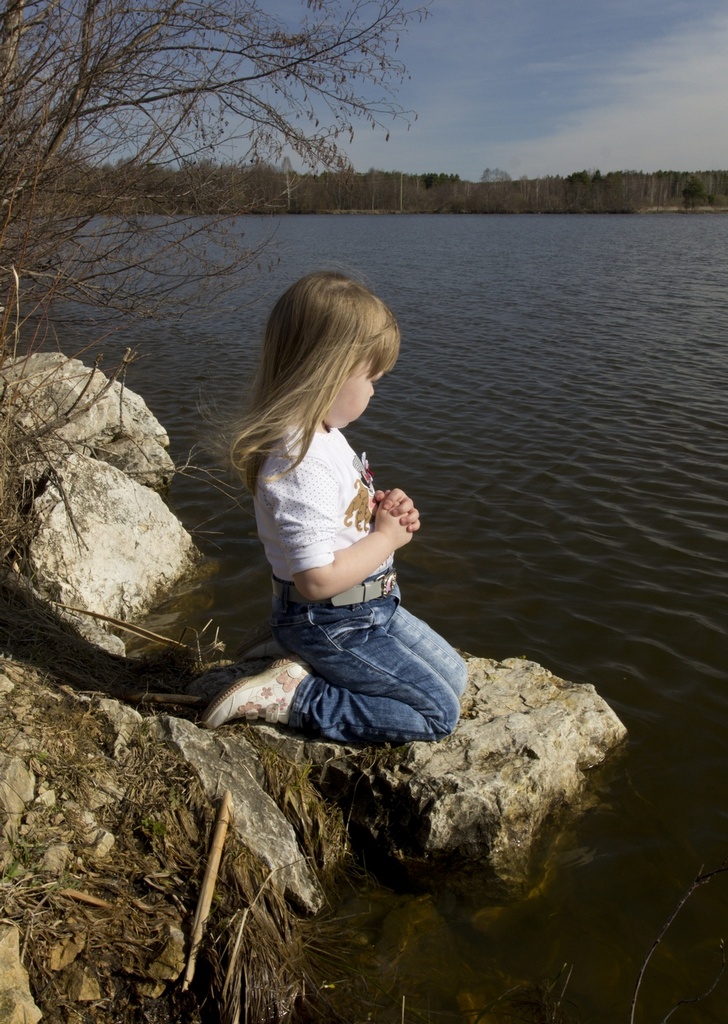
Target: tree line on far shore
{"points": [[207, 188]]}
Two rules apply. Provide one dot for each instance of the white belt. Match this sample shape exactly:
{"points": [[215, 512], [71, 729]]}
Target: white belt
{"points": [[382, 586]]}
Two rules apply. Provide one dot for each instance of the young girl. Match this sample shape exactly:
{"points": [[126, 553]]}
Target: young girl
{"points": [[359, 667]]}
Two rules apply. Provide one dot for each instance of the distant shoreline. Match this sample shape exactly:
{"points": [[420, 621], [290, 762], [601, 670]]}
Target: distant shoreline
{"points": [[232, 190], [490, 213]]}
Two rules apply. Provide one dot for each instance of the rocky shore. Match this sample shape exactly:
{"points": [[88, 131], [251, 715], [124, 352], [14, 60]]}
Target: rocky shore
{"points": [[108, 799]]}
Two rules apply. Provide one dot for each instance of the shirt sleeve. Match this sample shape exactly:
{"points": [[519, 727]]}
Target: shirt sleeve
{"points": [[305, 507]]}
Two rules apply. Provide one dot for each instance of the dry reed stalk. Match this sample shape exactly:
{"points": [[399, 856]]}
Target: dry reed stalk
{"points": [[208, 885], [84, 897], [129, 627]]}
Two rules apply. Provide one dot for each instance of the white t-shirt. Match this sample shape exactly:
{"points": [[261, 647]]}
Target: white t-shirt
{"points": [[323, 505]]}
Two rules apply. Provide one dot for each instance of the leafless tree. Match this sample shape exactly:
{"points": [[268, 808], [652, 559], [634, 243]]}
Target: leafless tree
{"points": [[99, 98]]}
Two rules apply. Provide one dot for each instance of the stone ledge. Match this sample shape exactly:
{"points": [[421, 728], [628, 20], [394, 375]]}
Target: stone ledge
{"points": [[481, 802]]}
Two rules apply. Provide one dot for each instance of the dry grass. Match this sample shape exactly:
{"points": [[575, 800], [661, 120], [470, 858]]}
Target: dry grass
{"points": [[18, 452], [318, 824], [113, 923], [110, 918]]}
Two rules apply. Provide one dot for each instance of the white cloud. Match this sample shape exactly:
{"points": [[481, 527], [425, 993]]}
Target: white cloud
{"points": [[597, 99], [668, 110]]}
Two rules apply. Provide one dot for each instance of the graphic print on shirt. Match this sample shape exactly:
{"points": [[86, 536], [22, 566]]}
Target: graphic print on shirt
{"points": [[359, 512], [364, 470], [361, 507]]}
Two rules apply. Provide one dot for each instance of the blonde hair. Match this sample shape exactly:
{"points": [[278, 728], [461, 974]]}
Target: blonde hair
{"points": [[319, 332]]}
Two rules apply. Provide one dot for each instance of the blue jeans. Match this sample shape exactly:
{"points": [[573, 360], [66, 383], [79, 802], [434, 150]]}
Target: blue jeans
{"points": [[379, 674]]}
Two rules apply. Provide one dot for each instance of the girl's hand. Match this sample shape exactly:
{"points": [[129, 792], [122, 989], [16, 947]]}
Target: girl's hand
{"points": [[396, 503], [396, 532]]}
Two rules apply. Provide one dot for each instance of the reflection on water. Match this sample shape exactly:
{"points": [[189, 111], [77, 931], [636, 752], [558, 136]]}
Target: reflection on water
{"points": [[559, 414]]}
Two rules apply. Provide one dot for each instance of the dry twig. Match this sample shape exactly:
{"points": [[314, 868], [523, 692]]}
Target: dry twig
{"points": [[700, 879], [140, 631], [208, 885], [143, 697]]}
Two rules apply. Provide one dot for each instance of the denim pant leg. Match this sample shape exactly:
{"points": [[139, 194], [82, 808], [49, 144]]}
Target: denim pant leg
{"points": [[442, 658], [379, 674]]}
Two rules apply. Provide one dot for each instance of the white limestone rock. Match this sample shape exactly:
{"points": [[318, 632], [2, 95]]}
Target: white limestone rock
{"points": [[90, 452], [104, 542], [481, 804], [56, 859], [231, 762], [79, 407]]}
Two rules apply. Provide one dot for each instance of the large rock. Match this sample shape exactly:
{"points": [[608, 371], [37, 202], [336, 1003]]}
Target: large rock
{"points": [[225, 762], [104, 542], [229, 761], [474, 810], [88, 454], [69, 405], [480, 805]]}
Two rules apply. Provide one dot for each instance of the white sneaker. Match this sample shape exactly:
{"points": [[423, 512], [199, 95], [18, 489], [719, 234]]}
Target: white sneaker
{"points": [[267, 696]]}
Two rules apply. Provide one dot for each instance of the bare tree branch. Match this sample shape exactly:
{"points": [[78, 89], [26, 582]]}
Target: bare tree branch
{"points": [[702, 878], [135, 84]]}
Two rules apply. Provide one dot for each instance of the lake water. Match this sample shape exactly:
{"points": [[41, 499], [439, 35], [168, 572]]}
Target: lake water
{"points": [[559, 414]]}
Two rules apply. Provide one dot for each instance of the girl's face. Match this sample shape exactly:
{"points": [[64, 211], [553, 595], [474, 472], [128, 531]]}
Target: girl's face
{"points": [[352, 399]]}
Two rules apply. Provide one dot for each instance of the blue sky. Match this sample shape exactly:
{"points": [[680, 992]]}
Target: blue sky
{"points": [[537, 87]]}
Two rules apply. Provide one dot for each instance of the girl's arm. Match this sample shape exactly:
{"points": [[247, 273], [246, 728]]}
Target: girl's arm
{"points": [[353, 564]]}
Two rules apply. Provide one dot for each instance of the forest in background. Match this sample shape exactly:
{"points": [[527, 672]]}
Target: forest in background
{"points": [[208, 188]]}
